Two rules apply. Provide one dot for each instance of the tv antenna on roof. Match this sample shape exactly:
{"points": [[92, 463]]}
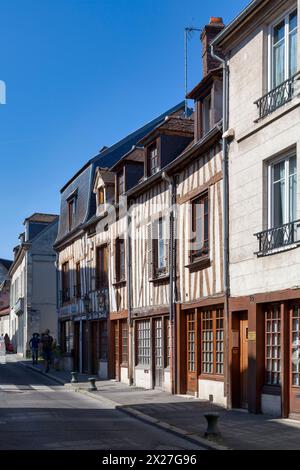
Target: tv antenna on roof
{"points": [[188, 32]]}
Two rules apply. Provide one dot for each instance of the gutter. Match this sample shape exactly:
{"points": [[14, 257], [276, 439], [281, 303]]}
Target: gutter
{"points": [[129, 300], [226, 275]]}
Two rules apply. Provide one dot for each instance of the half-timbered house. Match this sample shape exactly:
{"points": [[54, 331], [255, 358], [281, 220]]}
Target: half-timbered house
{"points": [[83, 303], [150, 205]]}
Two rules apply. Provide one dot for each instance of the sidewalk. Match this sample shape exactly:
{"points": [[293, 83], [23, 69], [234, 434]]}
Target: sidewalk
{"points": [[185, 415]]}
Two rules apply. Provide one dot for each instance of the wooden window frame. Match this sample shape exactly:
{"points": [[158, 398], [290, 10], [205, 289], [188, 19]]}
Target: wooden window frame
{"points": [[124, 343], [65, 282], [143, 343], [206, 115], [191, 351], [203, 254], [101, 196], [159, 272], [120, 187], [119, 274], [150, 166], [167, 342], [217, 328], [102, 279], [270, 346], [71, 213], [77, 289]]}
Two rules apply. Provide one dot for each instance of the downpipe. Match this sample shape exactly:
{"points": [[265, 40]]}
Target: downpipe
{"points": [[172, 272], [226, 275]]}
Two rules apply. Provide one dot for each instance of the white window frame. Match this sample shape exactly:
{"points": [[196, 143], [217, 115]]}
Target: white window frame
{"points": [[161, 242], [286, 159], [284, 17]]}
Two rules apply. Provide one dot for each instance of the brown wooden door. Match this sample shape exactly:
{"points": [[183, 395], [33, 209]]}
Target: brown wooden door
{"points": [[158, 353], [244, 360], [191, 356], [295, 360], [240, 360], [117, 351]]}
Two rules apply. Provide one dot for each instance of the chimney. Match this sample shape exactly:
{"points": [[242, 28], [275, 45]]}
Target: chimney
{"points": [[209, 32]]}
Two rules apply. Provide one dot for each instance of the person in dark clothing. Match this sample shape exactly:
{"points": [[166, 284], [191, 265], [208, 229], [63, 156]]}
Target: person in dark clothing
{"points": [[6, 341], [47, 342], [34, 344]]}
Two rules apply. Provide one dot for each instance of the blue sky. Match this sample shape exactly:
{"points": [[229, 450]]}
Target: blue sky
{"points": [[81, 74]]}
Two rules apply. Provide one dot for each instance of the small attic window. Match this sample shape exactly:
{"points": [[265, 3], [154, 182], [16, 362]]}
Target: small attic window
{"points": [[100, 196], [153, 160], [71, 212], [72, 203], [206, 115]]}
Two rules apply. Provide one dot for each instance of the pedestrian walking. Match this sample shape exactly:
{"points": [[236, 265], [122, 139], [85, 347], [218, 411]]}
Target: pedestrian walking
{"points": [[47, 342], [6, 341], [34, 344]]}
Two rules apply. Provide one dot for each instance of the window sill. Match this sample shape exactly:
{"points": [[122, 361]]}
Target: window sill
{"points": [[145, 368], [119, 283], [160, 278], [199, 264], [213, 377]]}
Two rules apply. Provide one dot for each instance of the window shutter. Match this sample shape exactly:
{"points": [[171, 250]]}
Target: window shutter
{"points": [[149, 251], [115, 262]]}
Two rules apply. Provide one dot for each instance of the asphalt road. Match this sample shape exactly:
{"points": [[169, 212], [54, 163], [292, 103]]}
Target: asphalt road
{"points": [[38, 414]]}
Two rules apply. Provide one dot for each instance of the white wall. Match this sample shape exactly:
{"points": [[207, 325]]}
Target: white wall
{"points": [[255, 144], [213, 388]]}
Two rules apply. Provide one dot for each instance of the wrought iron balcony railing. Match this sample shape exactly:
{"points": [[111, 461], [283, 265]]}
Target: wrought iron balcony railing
{"points": [[276, 98], [278, 238]]}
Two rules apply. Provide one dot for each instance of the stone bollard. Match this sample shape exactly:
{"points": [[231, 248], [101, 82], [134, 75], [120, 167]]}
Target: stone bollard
{"points": [[74, 379], [212, 424], [92, 387]]}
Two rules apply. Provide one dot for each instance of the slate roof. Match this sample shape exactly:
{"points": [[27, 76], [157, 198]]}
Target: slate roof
{"points": [[83, 180], [6, 263], [41, 218]]}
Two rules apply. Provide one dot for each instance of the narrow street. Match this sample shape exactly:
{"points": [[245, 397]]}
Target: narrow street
{"points": [[36, 413]]}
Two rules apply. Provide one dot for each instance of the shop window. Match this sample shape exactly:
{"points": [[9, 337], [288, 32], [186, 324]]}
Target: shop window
{"points": [[273, 345], [143, 343], [124, 331], [212, 342]]}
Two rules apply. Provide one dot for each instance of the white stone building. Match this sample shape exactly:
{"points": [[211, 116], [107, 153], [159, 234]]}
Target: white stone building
{"points": [[261, 51], [33, 295]]}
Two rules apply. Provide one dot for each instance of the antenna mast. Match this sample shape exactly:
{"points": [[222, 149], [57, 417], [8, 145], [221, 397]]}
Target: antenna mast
{"points": [[187, 31]]}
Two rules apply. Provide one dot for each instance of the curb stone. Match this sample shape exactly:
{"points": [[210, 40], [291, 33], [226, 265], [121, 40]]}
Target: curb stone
{"points": [[192, 437]]}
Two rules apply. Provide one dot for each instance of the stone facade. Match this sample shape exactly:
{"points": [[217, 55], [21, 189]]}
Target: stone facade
{"points": [[33, 283]]}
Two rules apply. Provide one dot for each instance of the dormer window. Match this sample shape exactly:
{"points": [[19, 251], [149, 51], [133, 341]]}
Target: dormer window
{"points": [[100, 196], [71, 213], [120, 184], [72, 203], [153, 160], [206, 115]]}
